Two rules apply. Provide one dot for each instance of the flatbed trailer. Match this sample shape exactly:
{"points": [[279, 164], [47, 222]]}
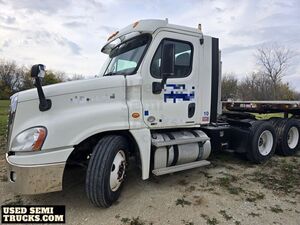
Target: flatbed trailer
{"points": [[262, 107], [240, 128]]}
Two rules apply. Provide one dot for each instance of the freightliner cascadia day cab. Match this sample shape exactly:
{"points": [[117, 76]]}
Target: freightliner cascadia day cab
{"points": [[157, 100]]}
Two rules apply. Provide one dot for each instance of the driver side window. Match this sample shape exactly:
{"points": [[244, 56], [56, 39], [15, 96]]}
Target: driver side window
{"points": [[183, 59]]}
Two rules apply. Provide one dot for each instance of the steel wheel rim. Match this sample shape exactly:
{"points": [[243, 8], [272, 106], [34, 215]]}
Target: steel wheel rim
{"points": [[265, 142], [117, 170], [293, 137]]}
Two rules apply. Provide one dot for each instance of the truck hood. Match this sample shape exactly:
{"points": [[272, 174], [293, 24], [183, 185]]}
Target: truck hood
{"points": [[74, 87]]}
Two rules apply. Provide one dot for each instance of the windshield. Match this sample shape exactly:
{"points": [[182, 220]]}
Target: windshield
{"points": [[126, 57]]}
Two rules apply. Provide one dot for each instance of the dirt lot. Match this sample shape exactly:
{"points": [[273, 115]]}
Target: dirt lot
{"points": [[230, 191]]}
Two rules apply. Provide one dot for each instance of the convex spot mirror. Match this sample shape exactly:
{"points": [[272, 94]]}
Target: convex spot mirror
{"points": [[38, 70]]}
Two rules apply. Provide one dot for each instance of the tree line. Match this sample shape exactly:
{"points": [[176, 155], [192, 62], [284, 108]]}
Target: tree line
{"points": [[273, 62], [15, 78]]}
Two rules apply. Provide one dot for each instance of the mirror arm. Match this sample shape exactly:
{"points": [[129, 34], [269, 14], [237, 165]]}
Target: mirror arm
{"points": [[45, 104], [165, 76], [157, 87]]}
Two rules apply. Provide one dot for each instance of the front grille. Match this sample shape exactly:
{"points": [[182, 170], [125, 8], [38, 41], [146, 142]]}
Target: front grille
{"points": [[9, 127], [11, 117]]}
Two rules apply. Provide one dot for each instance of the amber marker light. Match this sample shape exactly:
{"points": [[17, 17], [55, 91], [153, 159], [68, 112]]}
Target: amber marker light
{"points": [[113, 35], [40, 137], [135, 115], [135, 24]]}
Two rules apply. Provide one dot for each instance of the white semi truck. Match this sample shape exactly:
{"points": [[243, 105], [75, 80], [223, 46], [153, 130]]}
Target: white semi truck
{"points": [[157, 99]]}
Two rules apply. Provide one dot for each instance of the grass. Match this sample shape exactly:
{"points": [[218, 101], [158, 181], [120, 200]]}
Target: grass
{"points": [[182, 202], [254, 214], [134, 221], [279, 175], [276, 209], [267, 116], [210, 221], [225, 215], [253, 196], [227, 183], [4, 104]]}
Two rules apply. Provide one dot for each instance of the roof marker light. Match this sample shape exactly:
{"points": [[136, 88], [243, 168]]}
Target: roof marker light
{"points": [[135, 24], [199, 27], [111, 36]]}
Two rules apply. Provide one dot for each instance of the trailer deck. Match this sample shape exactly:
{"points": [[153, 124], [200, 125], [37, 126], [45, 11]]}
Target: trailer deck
{"points": [[286, 107]]}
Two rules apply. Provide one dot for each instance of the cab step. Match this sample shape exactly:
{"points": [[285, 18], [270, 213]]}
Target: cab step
{"points": [[186, 166]]}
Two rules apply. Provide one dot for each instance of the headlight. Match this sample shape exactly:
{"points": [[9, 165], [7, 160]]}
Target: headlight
{"points": [[29, 140]]}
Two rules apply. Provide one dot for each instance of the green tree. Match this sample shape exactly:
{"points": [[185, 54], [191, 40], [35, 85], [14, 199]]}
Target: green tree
{"points": [[229, 87], [10, 78], [259, 87], [52, 77]]}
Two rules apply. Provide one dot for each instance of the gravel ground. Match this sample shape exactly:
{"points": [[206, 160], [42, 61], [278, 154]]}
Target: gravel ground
{"points": [[229, 191]]}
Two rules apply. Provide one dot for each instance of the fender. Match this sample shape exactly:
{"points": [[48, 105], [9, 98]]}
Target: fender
{"points": [[143, 140]]}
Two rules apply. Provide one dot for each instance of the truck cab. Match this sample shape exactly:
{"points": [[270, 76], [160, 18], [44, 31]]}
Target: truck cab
{"points": [[157, 99]]}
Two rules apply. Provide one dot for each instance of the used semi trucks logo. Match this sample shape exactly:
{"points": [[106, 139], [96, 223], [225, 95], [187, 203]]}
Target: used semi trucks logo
{"points": [[33, 214], [178, 92]]}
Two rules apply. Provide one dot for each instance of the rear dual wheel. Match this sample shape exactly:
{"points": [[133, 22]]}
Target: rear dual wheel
{"points": [[277, 134], [288, 132], [262, 142]]}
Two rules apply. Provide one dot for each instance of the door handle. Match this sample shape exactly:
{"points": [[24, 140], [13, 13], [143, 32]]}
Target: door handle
{"points": [[191, 110]]}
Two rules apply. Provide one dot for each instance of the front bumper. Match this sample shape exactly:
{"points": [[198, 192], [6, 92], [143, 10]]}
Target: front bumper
{"points": [[35, 179]]}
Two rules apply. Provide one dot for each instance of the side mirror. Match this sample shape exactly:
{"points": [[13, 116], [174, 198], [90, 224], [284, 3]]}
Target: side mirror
{"points": [[38, 72], [168, 60], [167, 67]]}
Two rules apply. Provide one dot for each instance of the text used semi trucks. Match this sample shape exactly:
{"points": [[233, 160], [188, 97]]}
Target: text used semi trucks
{"points": [[157, 100]]}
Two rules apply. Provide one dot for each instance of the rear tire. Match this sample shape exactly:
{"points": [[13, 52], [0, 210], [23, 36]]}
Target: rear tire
{"points": [[106, 170], [262, 142], [288, 133]]}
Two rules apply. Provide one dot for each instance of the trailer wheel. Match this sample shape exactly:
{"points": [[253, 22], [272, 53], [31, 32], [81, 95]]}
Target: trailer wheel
{"points": [[106, 170], [288, 132], [262, 142]]}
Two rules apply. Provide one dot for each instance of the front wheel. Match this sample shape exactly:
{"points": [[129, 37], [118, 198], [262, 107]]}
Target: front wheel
{"points": [[106, 170]]}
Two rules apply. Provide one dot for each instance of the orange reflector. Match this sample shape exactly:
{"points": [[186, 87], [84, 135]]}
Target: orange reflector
{"points": [[135, 115], [135, 24], [40, 140], [111, 36]]}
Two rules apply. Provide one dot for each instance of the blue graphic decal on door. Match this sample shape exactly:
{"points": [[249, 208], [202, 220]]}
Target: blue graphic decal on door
{"points": [[178, 92]]}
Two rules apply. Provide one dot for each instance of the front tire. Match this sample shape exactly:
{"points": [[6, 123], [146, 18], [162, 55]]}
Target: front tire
{"points": [[262, 142], [106, 170]]}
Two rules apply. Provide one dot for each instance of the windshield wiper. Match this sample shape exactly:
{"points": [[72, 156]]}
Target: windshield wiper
{"points": [[110, 73], [113, 73]]}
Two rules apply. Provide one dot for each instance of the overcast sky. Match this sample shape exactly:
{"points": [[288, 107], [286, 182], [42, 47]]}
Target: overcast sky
{"points": [[67, 35]]}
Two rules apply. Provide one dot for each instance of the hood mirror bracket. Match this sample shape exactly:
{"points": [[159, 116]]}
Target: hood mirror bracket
{"points": [[38, 73]]}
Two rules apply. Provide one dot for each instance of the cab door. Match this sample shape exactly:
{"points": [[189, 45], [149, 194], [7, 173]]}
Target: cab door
{"points": [[175, 105]]}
